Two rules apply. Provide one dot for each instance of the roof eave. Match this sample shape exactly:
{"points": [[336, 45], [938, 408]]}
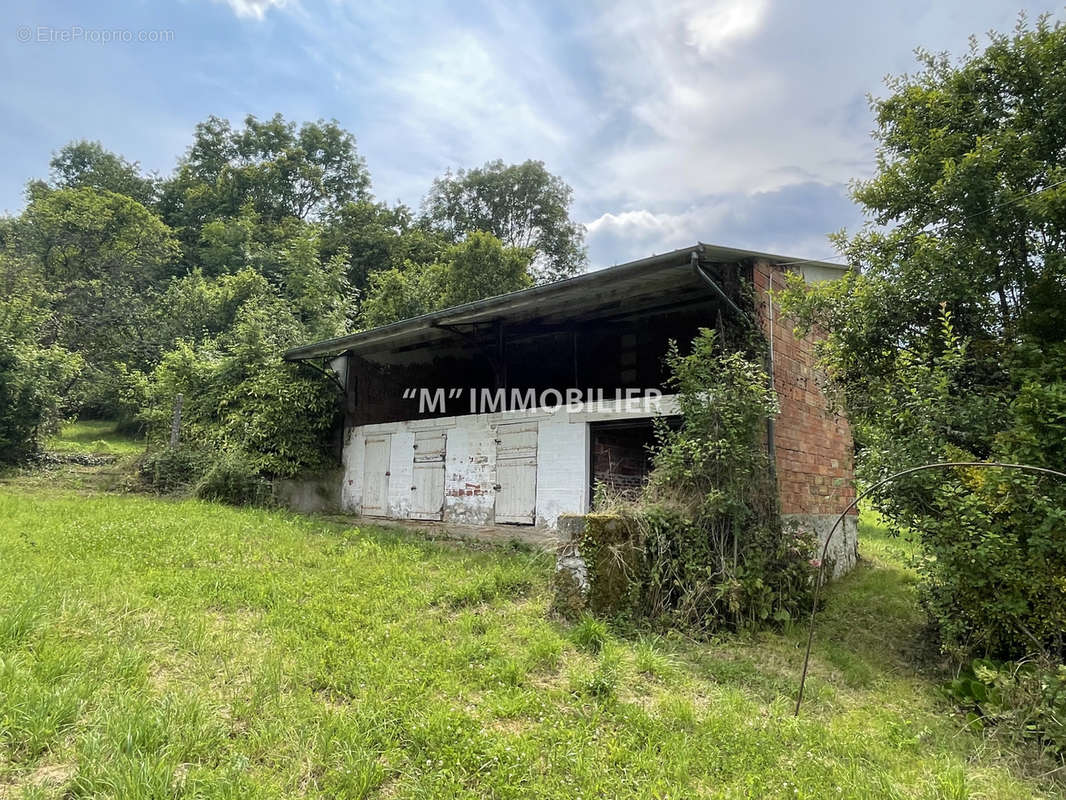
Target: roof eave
{"points": [[507, 302], [455, 315]]}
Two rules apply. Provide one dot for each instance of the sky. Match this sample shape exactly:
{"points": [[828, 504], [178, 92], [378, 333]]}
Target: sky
{"points": [[733, 122]]}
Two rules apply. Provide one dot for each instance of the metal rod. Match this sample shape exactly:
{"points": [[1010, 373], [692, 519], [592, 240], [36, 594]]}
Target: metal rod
{"points": [[328, 373], [865, 493], [718, 290]]}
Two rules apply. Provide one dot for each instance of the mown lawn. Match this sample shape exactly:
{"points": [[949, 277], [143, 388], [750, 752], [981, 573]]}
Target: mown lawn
{"points": [[155, 648]]}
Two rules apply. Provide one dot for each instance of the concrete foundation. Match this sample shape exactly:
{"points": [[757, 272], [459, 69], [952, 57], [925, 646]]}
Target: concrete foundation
{"points": [[843, 550]]}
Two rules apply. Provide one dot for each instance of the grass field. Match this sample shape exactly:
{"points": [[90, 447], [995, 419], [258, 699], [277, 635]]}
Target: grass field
{"points": [[94, 437], [154, 648]]}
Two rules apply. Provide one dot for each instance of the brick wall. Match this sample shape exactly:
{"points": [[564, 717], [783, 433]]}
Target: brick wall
{"points": [[814, 446]]}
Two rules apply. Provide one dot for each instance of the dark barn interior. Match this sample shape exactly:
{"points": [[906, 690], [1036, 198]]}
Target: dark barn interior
{"points": [[603, 331]]}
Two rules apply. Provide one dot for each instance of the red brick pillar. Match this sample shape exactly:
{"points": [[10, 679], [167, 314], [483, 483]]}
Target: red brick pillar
{"points": [[814, 452]]}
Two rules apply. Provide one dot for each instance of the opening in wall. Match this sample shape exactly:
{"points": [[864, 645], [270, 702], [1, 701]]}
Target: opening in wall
{"points": [[620, 457]]}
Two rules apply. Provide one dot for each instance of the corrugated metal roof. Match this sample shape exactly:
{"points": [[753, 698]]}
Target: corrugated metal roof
{"points": [[647, 275]]}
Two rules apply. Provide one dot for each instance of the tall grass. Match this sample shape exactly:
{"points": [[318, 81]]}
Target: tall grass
{"points": [[153, 648]]}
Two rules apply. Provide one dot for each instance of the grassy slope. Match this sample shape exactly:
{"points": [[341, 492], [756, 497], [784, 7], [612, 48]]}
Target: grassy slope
{"points": [[96, 437], [154, 648]]}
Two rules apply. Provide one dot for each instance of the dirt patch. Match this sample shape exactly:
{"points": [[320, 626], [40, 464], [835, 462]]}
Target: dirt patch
{"points": [[52, 775]]}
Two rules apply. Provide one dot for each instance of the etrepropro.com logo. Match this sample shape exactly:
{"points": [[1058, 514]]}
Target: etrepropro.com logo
{"points": [[72, 34]]}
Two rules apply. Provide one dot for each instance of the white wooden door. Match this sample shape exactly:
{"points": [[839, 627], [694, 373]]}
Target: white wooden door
{"points": [[516, 473], [376, 476], [427, 489]]}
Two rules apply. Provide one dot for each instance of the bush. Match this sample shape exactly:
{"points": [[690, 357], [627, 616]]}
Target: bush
{"points": [[33, 381], [1026, 701], [173, 469], [994, 541], [232, 479], [709, 544], [240, 396], [118, 394]]}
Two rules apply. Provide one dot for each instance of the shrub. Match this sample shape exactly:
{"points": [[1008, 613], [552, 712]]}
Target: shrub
{"points": [[232, 479], [711, 548], [1026, 700], [172, 469], [240, 396], [994, 541], [33, 380], [116, 393]]}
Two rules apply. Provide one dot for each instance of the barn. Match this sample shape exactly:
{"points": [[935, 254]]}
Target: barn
{"points": [[510, 411]]}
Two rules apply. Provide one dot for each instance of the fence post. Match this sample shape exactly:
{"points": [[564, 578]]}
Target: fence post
{"points": [[175, 423]]}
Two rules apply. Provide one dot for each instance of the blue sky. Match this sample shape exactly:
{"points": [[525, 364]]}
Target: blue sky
{"points": [[738, 122]]}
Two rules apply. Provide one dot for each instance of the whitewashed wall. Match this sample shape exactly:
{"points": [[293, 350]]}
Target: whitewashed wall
{"points": [[470, 460]]}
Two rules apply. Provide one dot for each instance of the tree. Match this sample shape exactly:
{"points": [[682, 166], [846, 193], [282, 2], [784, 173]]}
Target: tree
{"points": [[952, 334], [34, 379], [102, 257], [85, 164], [523, 205], [476, 268], [317, 290], [243, 401], [378, 237], [272, 168], [481, 266]]}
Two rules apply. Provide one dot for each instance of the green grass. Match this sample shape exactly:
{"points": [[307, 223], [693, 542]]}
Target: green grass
{"points": [[155, 648], [95, 437]]}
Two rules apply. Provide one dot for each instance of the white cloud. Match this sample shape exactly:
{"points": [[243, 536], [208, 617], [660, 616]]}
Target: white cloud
{"points": [[649, 226], [792, 221], [672, 120], [723, 23], [443, 94], [720, 100], [253, 9]]}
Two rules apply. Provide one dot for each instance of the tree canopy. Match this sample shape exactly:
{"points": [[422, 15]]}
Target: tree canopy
{"points": [[86, 164], [478, 267], [947, 341], [522, 205], [130, 288]]}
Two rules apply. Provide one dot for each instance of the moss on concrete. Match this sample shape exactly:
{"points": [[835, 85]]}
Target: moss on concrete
{"points": [[597, 565]]}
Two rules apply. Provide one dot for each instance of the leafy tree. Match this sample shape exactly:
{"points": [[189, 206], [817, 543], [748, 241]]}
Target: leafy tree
{"points": [[281, 171], [34, 379], [101, 256], [241, 399], [378, 237], [246, 408], [401, 293], [949, 341], [85, 164], [478, 267], [317, 290], [523, 205], [195, 307], [481, 266]]}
